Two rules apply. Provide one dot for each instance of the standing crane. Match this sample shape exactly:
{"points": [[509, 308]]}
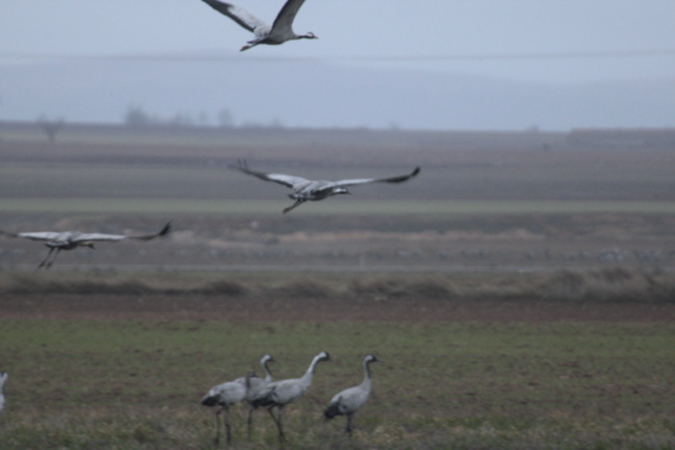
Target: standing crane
{"points": [[280, 393], [255, 385], [226, 395], [352, 399], [314, 190], [277, 33], [3, 378], [69, 240]]}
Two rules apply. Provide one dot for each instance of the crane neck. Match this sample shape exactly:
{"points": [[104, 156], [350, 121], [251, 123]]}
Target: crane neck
{"points": [[310, 371], [268, 376], [312, 367], [366, 367]]}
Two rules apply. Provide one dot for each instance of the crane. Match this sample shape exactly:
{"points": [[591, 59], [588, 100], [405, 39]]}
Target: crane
{"points": [[3, 378], [280, 393], [277, 33], [69, 240], [255, 385], [226, 395], [314, 190], [349, 401]]}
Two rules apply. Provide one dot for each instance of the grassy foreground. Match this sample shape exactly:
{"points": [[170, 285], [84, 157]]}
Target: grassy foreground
{"points": [[137, 384]]}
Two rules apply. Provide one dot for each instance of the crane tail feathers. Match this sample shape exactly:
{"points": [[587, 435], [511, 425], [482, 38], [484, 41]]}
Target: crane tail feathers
{"points": [[261, 402], [332, 411], [209, 400]]}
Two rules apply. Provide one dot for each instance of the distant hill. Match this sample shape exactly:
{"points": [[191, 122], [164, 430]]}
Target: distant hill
{"points": [[319, 94]]}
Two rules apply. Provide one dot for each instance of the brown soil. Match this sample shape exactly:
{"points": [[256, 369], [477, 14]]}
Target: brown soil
{"points": [[258, 309]]}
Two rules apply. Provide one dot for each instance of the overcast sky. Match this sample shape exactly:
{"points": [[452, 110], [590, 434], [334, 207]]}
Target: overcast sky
{"points": [[515, 39]]}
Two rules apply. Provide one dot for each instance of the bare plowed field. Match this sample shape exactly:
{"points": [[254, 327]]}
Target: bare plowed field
{"points": [[285, 309]]}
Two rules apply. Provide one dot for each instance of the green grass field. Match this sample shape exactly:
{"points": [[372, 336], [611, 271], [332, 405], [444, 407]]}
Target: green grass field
{"points": [[137, 384]]}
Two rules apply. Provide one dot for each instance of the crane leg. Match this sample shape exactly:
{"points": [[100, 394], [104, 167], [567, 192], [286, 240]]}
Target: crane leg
{"points": [[272, 414], [247, 46], [249, 423], [294, 205], [349, 425], [49, 264], [228, 429], [217, 439], [282, 437], [44, 261]]}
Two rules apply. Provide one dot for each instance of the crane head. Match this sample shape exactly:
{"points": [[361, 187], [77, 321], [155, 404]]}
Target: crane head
{"points": [[267, 359]]}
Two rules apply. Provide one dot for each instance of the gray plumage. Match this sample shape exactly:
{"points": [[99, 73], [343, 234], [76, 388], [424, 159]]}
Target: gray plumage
{"points": [[349, 401], [225, 395], [69, 240], [255, 386], [314, 190], [3, 378], [280, 393], [277, 33]]}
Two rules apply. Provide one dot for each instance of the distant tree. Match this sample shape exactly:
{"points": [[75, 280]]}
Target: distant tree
{"points": [[135, 117], [252, 125], [181, 120], [225, 118], [51, 127], [203, 119], [276, 123]]}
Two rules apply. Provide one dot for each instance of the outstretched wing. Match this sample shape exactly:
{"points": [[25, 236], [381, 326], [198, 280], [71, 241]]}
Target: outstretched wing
{"points": [[146, 237], [287, 15], [38, 236], [287, 180], [397, 179], [89, 237], [239, 15]]}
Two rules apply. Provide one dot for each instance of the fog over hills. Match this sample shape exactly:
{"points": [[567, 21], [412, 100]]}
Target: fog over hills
{"points": [[312, 93]]}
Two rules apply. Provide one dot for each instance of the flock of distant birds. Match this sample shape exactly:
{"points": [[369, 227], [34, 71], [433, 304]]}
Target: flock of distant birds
{"points": [[256, 391]]}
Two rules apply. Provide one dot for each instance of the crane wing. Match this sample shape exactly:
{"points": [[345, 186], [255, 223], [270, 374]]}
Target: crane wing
{"points": [[287, 15], [287, 180], [87, 237], [239, 15], [356, 181], [146, 237], [38, 236]]}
